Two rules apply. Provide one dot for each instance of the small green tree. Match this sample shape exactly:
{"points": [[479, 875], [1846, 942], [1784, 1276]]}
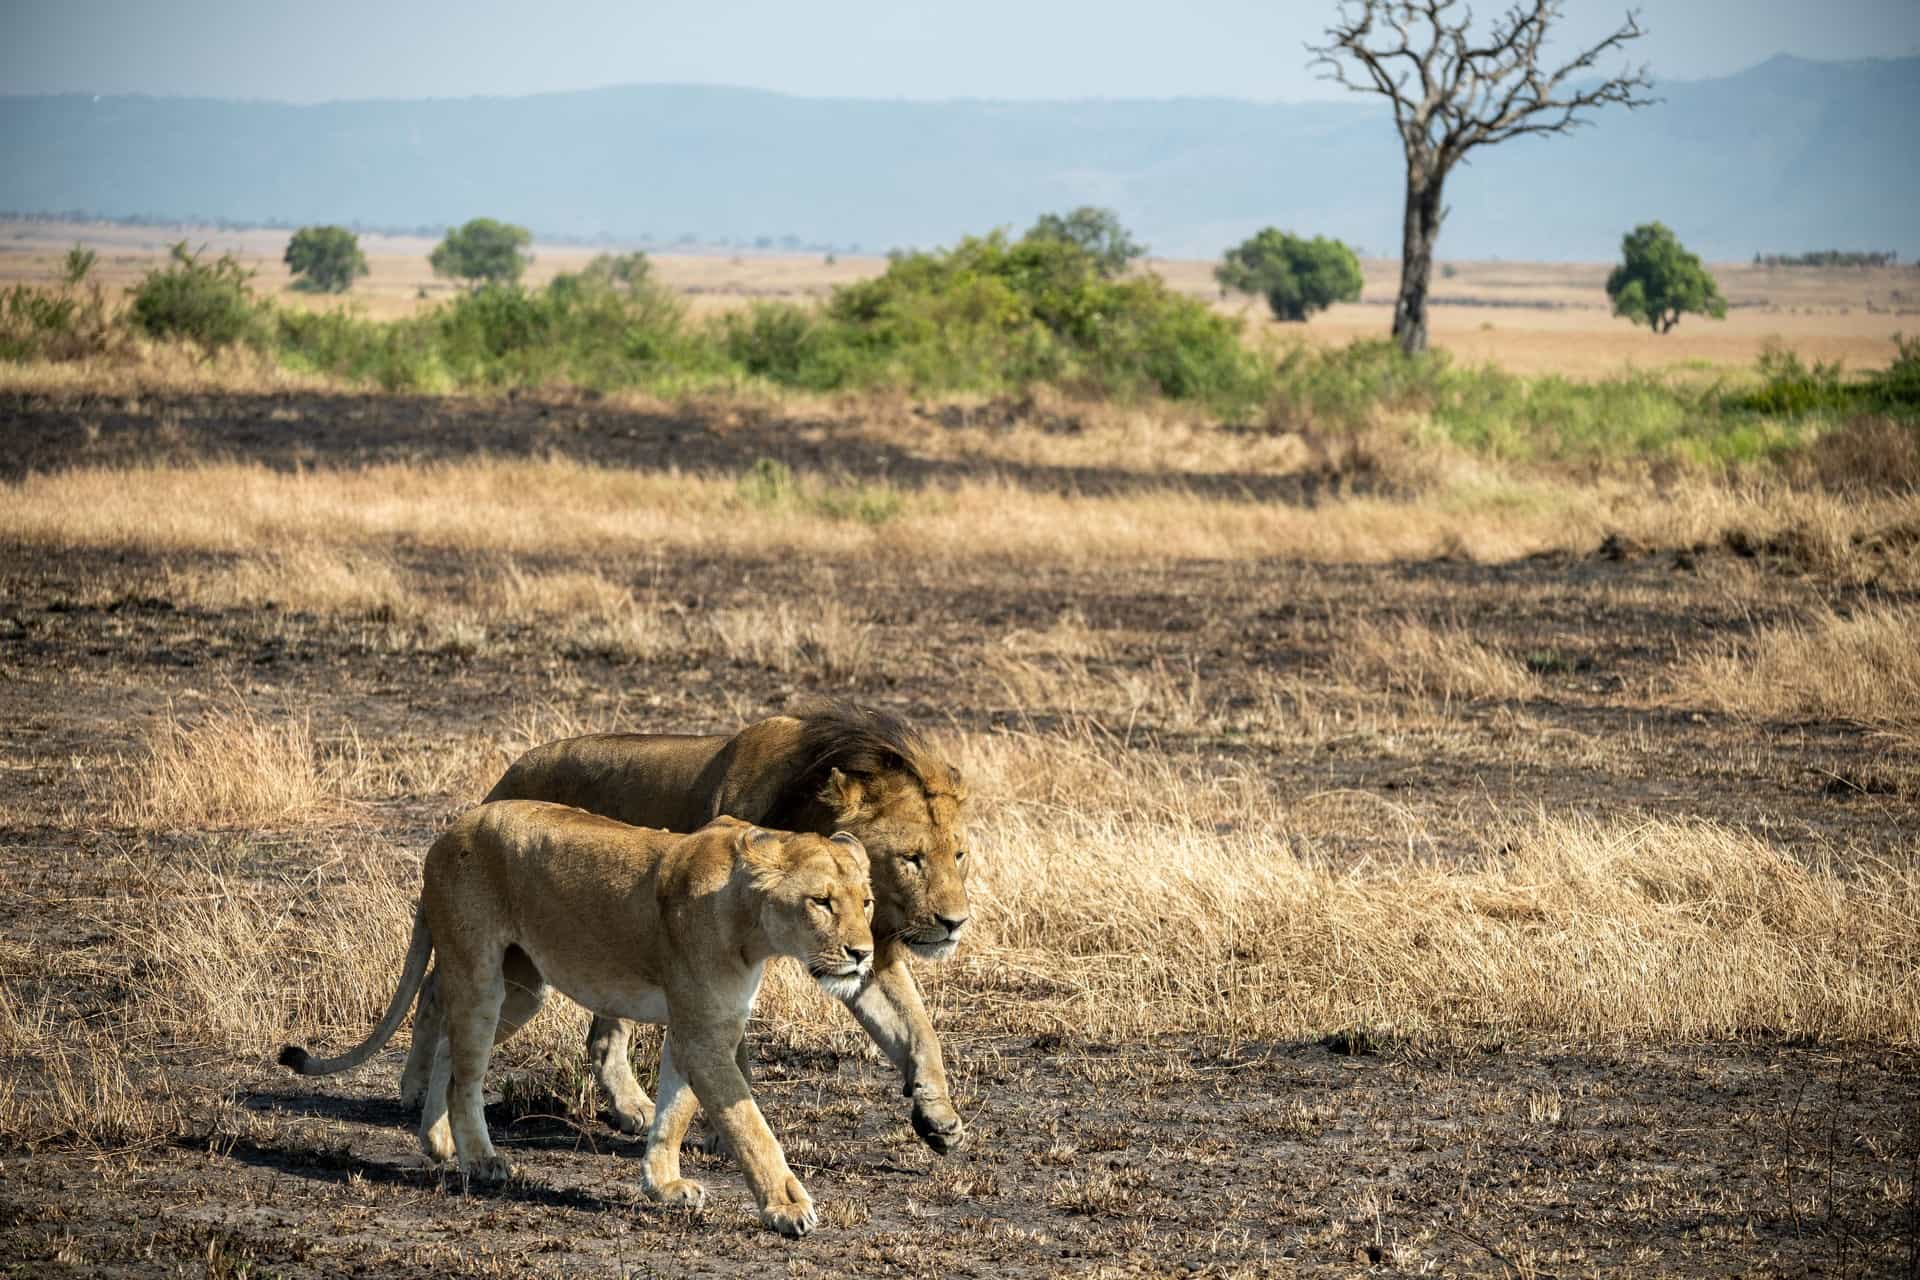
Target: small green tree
{"points": [[1098, 231], [483, 251], [1297, 276], [325, 259], [1659, 281]]}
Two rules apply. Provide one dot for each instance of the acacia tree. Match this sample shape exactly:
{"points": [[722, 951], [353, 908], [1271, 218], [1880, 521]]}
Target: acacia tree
{"points": [[1658, 280], [1098, 231], [483, 251], [1296, 276], [327, 259], [1453, 90]]}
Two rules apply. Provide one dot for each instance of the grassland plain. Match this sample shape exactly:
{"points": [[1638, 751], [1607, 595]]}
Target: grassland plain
{"points": [[1530, 318], [1389, 860]]}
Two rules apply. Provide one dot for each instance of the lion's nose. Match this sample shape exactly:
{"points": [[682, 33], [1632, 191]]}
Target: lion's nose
{"points": [[859, 954], [952, 923]]}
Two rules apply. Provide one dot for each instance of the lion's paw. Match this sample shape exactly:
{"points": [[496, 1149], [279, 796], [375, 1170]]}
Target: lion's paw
{"points": [[681, 1193], [488, 1170], [437, 1144], [793, 1218], [632, 1118], [938, 1124]]}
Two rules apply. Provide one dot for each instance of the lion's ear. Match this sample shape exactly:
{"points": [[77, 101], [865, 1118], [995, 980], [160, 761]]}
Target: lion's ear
{"points": [[755, 844], [845, 796]]}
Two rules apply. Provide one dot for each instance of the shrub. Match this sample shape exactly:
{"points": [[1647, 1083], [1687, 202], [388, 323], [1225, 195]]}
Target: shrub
{"points": [[990, 314], [67, 322], [207, 303], [777, 341]]}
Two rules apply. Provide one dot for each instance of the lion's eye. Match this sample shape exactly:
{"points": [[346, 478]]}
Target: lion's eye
{"points": [[959, 856], [914, 859], [868, 908], [825, 904]]}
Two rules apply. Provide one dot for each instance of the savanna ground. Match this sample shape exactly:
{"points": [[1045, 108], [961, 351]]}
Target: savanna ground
{"points": [[1385, 862]]}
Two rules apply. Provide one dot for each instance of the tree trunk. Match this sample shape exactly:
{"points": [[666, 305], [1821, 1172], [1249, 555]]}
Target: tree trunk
{"points": [[1421, 230]]}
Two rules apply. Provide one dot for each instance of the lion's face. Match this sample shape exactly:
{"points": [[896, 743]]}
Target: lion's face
{"points": [[918, 849], [819, 905]]}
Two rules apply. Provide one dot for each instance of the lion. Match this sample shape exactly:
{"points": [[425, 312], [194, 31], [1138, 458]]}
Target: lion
{"points": [[839, 768], [522, 896]]}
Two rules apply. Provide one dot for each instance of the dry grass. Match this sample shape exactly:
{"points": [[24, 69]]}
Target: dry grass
{"points": [[236, 766], [1863, 666], [230, 767], [1125, 898], [503, 509], [1445, 663], [308, 577], [827, 639]]}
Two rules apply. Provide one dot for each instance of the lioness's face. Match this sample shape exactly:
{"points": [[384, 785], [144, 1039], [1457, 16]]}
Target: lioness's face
{"points": [[821, 911], [919, 853]]}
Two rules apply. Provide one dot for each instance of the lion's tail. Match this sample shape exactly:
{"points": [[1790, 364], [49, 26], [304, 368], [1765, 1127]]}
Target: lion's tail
{"points": [[412, 974]]}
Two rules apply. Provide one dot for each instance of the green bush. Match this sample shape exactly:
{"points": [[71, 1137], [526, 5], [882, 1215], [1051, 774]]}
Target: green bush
{"points": [[67, 322], [990, 314], [1789, 387], [781, 342], [210, 304]]}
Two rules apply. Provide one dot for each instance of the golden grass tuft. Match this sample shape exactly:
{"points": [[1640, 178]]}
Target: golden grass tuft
{"points": [[237, 766], [1445, 662], [1121, 897], [1863, 666], [825, 638], [310, 578], [230, 767]]}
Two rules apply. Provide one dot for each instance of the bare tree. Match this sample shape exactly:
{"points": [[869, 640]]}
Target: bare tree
{"points": [[1453, 91]]}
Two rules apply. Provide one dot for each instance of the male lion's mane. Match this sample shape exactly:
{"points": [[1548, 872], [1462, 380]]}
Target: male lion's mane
{"points": [[861, 742]]}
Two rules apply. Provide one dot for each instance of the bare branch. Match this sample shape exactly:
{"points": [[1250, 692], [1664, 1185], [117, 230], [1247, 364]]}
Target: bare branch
{"points": [[1452, 92]]}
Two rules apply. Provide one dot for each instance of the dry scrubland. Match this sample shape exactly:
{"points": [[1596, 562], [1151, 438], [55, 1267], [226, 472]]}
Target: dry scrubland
{"points": [[1384, 859]]}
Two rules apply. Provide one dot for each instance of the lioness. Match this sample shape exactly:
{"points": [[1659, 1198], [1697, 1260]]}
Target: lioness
{"points": [[521, 895], [842, 768]]}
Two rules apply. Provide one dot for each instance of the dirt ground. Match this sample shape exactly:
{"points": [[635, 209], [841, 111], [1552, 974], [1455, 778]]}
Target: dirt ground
{"points": [[1169, 1157], [1527, 317]]}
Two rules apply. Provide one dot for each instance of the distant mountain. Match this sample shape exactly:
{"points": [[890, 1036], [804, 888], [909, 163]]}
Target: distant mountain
{"points": [[1787, 156]]}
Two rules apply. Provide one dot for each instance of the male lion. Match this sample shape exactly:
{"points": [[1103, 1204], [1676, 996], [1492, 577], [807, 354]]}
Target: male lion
{"points": [[520, 896], [842, 768]]}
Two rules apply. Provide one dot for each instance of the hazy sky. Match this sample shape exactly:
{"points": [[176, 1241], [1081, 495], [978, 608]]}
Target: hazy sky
{"points": [[844, 48]]}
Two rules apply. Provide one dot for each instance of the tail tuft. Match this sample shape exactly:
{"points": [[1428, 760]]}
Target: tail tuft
{"points": [[294, 1056]]}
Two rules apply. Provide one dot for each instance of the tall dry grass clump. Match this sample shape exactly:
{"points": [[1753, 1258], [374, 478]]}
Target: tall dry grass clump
{"points": [[1124, 897], [1440, 662], [825, 638], [230, 767], [307, 577], [1863, 666], [236, 766]]}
